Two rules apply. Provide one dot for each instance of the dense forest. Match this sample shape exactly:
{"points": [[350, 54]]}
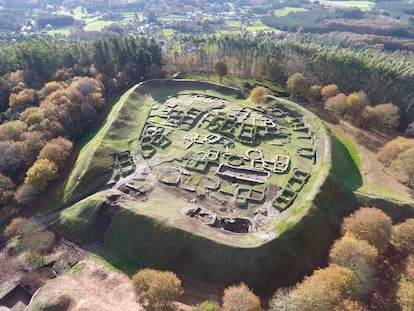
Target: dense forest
{"points": [[50, 93], [385, 77]]}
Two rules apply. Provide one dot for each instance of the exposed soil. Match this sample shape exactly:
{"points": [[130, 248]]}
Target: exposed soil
{"points": [[92, 287]]}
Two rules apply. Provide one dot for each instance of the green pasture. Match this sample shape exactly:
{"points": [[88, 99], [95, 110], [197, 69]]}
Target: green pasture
{"points": [[97, 25], [286, 10], [362, 5]]}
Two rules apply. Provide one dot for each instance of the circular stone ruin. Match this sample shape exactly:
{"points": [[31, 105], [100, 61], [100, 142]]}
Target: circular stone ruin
{"points": [[231, 158], [235, 191]]}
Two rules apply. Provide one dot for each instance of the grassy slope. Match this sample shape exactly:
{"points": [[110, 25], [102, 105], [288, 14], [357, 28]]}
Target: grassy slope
{"points": [[78, 222], [93, 167]]}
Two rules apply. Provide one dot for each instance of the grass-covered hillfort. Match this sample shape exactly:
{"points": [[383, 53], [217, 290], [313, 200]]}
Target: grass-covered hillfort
{"points": [[195, 177]]}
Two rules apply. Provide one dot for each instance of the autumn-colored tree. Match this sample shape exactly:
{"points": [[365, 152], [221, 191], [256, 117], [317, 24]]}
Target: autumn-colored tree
{"points": [[353, 106], [34, 119], [12, 131], [14, 227], [51, 87], [58, 107], [7, 188], [40, 173], [409, 268], [370, 224], [359, 256], [153, 72], [285, 299], [259, 94], [404, 165], [403, 235], [336, 104], [405, 294], [26, 194], [57, 150], [23, 99], [315, 92], [368, 117], [387, 115], [390, 151], [221, 69], [326, 288], [329, 90], [10, 158], [297, 83], [157, 289], [31, 145], [240, 297], [350, 305]]}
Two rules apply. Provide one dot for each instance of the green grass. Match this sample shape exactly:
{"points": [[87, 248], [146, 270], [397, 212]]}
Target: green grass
{"points": [[234, 81], [362, 5], [97, 25], [95, 158], [60, 31], [259, 26], [346, 161], [76, 268], [286, 10], [168, 32], [78, 222]]}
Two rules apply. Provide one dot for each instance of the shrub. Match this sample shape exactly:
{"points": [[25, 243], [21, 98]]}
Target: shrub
{"points": [[405, 294], [350, 305], [336, 104], [326, 288], [357, 255], [26, 194], [329, 90], [40, 173], [390, 151], [403, 235], [10, 159], [240, 297], [315, 92], [409, 268], [14, 227], [258, 95], [370, 224], [404, 166], [297, 83], [57, 150], [157, 289], [387, 115], [285, 299], [12, 131], [32, 237], [7, 187], [353, 106], [206, 306]]}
